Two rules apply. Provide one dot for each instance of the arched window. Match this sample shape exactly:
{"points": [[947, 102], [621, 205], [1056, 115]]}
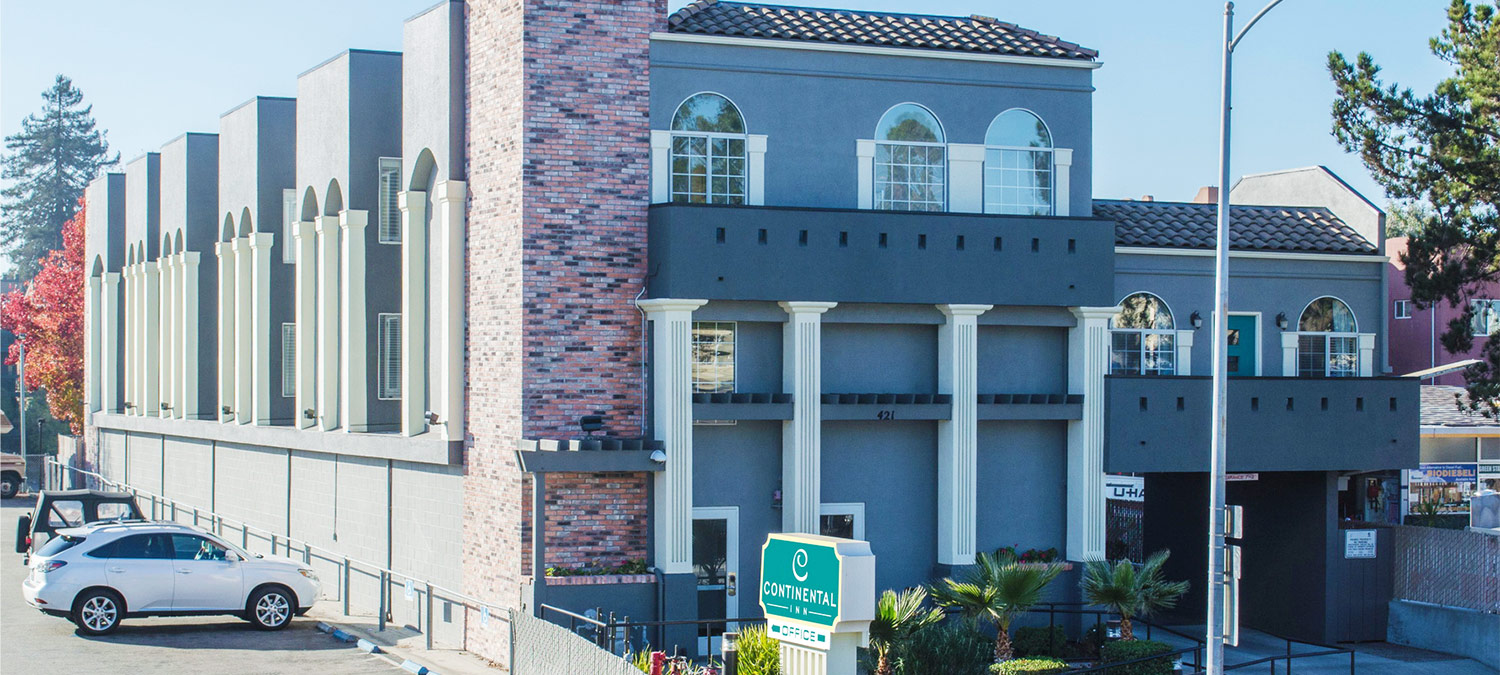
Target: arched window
{"points": [[1328, 343], [1018, 165], [1143, 339], [911, 160], [708, 151]]}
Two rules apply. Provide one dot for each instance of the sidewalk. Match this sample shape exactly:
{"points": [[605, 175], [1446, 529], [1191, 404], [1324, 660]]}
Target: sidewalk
{"points": [[403, 644], [1371, 658]]}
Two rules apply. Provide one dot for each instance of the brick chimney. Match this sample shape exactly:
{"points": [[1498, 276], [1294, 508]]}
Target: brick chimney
{"points": [[1207, 194]]}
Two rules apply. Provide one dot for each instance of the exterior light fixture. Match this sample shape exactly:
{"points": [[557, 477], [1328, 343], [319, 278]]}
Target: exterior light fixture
{"points": [[591, 423], [129, 405], [1197, 320], [225, 410], [432, 417], [658, 456], [1281, 321], [309, 414], [166, 406]]}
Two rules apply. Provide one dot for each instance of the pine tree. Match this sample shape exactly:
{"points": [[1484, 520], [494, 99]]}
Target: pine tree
{"points": [[51, 161], [1443, 150]]}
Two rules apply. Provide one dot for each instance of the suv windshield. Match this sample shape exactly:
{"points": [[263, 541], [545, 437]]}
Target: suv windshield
{"points": [[57, 545]]}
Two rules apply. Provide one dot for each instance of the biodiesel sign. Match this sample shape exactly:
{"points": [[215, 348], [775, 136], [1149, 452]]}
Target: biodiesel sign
{"points": [[800, 579]]}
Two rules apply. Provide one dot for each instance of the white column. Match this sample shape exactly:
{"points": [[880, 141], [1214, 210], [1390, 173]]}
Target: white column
{"points": [[165, 275], [306, 316], [958, 437], [755, 169], [864, 152], [965, 178], [151, 338], [227, 365], [414, 272], [261, 331], [1366, 354], [191, 315], [1289, 353], [1184, 344], [449, 198], [801, 436], [1088, 361], [244, 333], [672, 407], [661, 166], [327, 228], [109, 343], [130, 307], [1062, 183], [353, 373], [91, 306]]}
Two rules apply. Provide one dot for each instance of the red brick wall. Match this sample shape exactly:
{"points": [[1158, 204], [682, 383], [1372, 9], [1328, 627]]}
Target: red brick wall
{"points": [[593, 519], [558, 152]]}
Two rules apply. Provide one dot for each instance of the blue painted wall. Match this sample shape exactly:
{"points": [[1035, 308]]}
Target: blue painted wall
{"points": [[1023, 491]]}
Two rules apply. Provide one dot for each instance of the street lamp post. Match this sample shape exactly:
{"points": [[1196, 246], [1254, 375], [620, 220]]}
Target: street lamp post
{"points": [[1216, 624]]}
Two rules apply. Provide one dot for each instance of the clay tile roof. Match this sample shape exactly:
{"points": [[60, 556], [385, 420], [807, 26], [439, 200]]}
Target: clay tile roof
{"points": [[980, 34], [1251, 228], [1444, 406]]}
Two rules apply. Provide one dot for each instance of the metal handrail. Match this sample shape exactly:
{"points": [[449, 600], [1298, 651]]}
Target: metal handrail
{"points": [[346, 564]]}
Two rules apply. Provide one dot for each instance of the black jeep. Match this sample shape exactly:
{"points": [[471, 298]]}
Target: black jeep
{"points": [[58, 509]]}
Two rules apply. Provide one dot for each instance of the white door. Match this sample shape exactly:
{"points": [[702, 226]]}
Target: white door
{"points": [[140, 568], [716, 564], [205, 579]]}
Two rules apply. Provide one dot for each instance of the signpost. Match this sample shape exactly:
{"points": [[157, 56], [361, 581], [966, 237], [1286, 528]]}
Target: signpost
{"points": [[818, 595]]}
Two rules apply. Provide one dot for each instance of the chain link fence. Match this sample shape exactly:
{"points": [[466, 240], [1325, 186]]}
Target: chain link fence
{"points": [[540, 647], [1454, 568]]}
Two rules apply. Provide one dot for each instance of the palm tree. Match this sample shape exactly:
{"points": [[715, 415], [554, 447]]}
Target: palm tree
{"points": [[996, 592], [897, 617], [1130, 591]]}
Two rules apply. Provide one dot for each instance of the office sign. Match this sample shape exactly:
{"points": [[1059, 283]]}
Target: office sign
{"points": [[1359, 544], [800, 580], [817, 638], [1241, 477]]}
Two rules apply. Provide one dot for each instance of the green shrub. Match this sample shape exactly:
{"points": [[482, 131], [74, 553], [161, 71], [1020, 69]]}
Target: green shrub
{"points": [[760, 654], [1038, 666], [1129, 650], [1033, 641], [940, 649]]}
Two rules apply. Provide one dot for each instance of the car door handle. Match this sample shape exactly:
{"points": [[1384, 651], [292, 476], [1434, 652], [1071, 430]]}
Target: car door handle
{"points": [[184, 570], [117, 570]]}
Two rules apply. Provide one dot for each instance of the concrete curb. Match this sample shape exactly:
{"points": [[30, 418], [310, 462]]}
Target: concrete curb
{"points": [[414, 667], [369, 647]]}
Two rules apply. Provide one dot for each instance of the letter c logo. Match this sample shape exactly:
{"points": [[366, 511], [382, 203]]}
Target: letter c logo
{"points": [[799, 563]]}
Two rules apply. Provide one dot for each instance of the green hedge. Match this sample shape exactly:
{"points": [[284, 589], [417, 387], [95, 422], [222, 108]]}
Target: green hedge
{"points": [[1037, 666], [1033, 641], [760, 654], [1129, 650]]}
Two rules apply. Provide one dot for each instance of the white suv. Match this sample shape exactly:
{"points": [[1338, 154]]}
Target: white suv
{"points": [[101, 573]]}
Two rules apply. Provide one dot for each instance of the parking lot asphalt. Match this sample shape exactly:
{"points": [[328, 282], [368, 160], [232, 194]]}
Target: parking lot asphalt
{"points": [[32, 642]]}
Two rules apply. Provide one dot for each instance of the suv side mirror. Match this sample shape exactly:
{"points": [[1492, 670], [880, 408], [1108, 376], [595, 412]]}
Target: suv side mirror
{"points": [[23, 533], [231, 556]]}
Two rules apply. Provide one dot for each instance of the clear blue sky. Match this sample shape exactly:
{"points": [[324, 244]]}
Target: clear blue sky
{"points": [[155, 68]]}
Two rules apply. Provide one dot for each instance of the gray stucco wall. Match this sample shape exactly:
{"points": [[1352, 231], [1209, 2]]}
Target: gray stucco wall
{"points": [[105, 243], [1268, 286], [143, 204], [813, 106], [432, 77], [189, 216], [1023, 485], [1023, 360], [879, 358], [892, 468]]}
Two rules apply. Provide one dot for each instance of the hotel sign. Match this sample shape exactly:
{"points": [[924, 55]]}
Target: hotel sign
{"points": [[812, 586]]}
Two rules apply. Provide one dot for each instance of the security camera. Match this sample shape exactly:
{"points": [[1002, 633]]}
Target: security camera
{"points": [[658, 456]]}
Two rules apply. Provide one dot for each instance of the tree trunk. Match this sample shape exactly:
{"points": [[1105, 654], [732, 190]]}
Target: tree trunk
{"points": [[883, 665], [1003, 651], [1126, 633]]}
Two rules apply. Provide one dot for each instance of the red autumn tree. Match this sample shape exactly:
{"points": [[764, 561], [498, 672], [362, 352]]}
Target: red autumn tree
{"points": [[47, 317]]}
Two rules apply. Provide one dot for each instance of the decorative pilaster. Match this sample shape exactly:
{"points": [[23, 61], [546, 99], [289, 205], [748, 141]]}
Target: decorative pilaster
{"points": [[166, 275], [755, 169], [1062, 171], [261, 331], [354, 334], [130, 307], [191, 314], [244, 333], [672, 401], [327, 229], [150, 340], [306, 316], [802, 436], [1366, 354], [965, 178], [1088, 362], [661, 167], [449, 200], [109, 343], [1184, 343], [227, 313], [864, 152], [958, 437], [414, 272], [1289, 353], [91, 307]]}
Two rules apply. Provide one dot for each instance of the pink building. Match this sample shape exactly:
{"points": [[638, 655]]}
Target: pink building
{"points": [[1416, 335]]}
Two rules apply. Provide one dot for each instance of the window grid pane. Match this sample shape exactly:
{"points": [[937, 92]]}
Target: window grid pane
{"points": [[288, 360], [910, 177], [390, 190], [1142, 352], [713, 357], [1312, 355], [390, 357], [708, 169], [1018, 182]]}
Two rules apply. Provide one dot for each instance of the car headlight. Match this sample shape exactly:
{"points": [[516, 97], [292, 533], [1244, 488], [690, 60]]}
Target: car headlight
{"points": [[308, 573]]}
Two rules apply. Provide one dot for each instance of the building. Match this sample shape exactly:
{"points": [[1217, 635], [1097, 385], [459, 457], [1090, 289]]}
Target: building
{"points": [[801, 270], [1460, 455], [1417, 333]]}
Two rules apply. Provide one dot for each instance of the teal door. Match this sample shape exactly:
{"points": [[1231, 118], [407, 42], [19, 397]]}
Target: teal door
{"points": [[1241, 345]]}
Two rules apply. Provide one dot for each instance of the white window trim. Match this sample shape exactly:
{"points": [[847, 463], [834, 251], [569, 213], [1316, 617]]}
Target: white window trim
{"points": [[734, 329], [386, 353], [1170, 332], [1328, 338], [856, 509], [1494, 306], [943, 164], [288, 364], [1051, 171], [1401, 309], [381, 207], [709, 137]]}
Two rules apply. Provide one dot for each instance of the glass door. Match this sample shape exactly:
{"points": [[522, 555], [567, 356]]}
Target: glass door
{"points": [[716, 562], [1242, 345]]}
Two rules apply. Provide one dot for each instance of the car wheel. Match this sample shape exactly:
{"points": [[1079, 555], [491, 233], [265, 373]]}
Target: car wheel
{"points": [[98, 612], [271, 608], [10, 484]]}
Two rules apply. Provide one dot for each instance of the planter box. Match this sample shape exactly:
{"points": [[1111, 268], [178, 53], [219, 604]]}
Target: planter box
{"points": [[601, 579]]}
